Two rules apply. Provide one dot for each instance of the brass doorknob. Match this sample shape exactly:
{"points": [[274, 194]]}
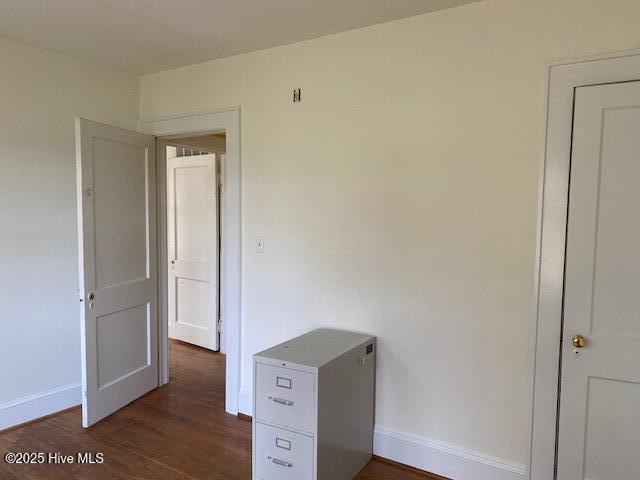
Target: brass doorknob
{"points": [[578, 341]]}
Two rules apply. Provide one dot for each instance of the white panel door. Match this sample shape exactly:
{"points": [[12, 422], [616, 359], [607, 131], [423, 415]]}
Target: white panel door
{"points": [[192, 232], [117, 248], [599, 424]]}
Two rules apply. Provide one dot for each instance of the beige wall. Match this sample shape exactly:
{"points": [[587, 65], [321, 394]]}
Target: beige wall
{"points": [[40, 94], [212, 143], [400, 198]]}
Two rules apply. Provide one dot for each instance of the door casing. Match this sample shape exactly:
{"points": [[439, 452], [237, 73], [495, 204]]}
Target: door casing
{"points": [[194, 124], [562, 78]]}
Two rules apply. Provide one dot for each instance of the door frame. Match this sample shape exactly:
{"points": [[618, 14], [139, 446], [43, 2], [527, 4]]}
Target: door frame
{"points": [[193, 124], [562, 78]]}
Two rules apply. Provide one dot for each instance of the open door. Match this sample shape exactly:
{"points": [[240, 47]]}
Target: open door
{"points": [[192, 247], [117, 251]]}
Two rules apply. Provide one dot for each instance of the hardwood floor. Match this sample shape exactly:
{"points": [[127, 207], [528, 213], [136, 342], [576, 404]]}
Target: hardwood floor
{"points": [[176, 432]]}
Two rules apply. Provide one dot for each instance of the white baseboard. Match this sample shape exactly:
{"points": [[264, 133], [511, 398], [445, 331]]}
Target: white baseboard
{"points": [[245, 400], [38, 405], [446, 460]]}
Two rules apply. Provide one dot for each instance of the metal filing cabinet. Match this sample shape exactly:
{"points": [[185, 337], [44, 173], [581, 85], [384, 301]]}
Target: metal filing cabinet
{"points": [[313, 407]]}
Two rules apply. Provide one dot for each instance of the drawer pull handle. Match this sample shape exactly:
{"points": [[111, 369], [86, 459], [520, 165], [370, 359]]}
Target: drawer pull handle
{"points": [[282, 463], [284, 382], [282, 401], [283, 444]]}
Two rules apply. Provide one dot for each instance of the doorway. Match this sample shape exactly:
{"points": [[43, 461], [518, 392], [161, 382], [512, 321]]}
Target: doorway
{"points": [[123, 265], [587, 386], [167, 130]]}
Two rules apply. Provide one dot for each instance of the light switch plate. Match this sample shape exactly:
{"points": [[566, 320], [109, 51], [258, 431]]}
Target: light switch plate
{"points": [[259, 244]]}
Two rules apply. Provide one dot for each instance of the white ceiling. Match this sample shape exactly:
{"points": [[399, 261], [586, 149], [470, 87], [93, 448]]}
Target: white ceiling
{"points": [[144, 36]]}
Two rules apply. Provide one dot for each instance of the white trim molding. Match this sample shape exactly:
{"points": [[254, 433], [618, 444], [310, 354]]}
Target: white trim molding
{"points": [[32, 407], [562, 80], [442, 459], [227, 120], [191, 123], [245, 403]]}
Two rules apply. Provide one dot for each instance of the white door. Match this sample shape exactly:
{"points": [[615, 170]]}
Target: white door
{"points": [[599, 424], [117, 247], [192, 233]]}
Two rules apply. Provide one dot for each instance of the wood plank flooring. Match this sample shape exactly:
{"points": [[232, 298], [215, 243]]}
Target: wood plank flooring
{"points": [[176, 432]]}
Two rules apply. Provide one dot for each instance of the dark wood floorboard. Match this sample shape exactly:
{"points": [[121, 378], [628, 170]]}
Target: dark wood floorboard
{"points": [[177, 432]]}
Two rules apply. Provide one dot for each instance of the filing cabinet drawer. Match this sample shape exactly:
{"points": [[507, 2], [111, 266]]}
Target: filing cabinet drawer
{"points": [[285, 397], [282, 455]]}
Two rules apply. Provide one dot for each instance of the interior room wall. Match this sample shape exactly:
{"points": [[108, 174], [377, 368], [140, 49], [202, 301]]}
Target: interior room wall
{"points": [[42, 92], [213, 143], [400, 198]]}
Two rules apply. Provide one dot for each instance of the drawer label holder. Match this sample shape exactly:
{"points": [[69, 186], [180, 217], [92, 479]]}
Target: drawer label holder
{"points": [[283, 444], [284, 382]]}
